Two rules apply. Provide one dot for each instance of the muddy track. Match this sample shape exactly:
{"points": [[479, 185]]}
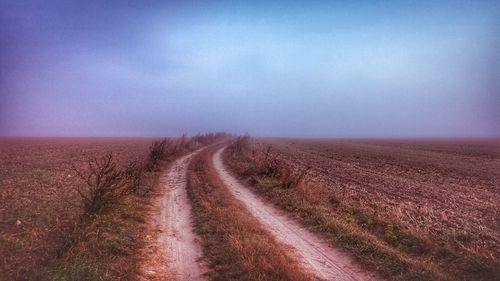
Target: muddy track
{"points": [[316, 254], [182, 247]]}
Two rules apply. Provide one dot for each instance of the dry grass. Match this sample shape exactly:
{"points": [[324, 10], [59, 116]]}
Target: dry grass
{"points": [[44, 233], [388, 202], [235, 245], [36, 182], [105, 247]]}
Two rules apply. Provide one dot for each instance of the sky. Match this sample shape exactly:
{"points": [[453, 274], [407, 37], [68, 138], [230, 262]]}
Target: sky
{"points": [[265, 68]]}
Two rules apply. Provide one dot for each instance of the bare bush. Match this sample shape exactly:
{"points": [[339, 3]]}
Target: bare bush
{"points": [[134, 174], [239, 146], [157, 152], [267, 163], [170, 148], [104, 182]]}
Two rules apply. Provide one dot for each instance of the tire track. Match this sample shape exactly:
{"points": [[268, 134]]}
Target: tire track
{"points": [[314, 253], [181, 245]]}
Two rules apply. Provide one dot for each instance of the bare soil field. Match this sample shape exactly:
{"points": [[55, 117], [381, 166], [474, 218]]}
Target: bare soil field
{"points": [[36, 184], [454, 185], [429, 205]]}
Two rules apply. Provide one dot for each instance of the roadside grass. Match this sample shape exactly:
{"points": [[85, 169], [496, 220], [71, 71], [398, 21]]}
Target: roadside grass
{"points": [[108, 238], [104, 248], [114, 200], [71, 213], [37, 222], [379, 243], [235, 246]]}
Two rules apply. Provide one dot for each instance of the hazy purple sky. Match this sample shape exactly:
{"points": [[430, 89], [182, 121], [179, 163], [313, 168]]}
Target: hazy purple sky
{"points": [[303, 68]]}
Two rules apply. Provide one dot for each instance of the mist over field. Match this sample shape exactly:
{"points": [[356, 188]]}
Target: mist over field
{"points": [[249, 140], [301, 69]]}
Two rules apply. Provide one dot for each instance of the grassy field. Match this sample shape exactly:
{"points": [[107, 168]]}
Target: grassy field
{"points": [[411, 210], [235, 245]]}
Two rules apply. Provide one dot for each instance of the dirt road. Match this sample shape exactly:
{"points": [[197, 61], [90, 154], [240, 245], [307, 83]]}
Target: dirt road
{"points": [[314, 253], [183, 249]]}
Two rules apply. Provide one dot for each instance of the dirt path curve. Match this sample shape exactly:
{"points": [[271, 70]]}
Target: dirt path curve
{"points": [[314, 253], [182, 246]]}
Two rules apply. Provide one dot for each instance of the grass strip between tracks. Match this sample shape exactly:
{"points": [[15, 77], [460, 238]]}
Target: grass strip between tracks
{"points": [[235, 245]]}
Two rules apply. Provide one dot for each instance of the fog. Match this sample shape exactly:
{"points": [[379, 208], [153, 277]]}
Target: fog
{"points": [[293, 69]]}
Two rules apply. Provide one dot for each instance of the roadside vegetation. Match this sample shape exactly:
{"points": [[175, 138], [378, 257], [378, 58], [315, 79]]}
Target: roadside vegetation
{"points": [[235, 246], [75, 209], [115, 203], [380, 242]]}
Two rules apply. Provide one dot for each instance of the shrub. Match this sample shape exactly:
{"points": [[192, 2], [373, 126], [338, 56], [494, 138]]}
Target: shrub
{"points": [[267, 163], [104, 182], [239, 146], [134, 174], [157, 152]]}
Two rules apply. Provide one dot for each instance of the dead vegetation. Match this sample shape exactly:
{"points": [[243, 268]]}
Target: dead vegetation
{"points": [[106, 184], [69, 213], [235, 245], [36, 184], [348, 196]]}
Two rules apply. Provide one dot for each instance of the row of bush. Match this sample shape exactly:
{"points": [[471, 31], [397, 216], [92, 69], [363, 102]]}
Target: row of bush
{"points": [[105, 182], [113, 199]]}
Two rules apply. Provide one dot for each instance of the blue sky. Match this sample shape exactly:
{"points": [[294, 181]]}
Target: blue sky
{"points": [[303, 68]]}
